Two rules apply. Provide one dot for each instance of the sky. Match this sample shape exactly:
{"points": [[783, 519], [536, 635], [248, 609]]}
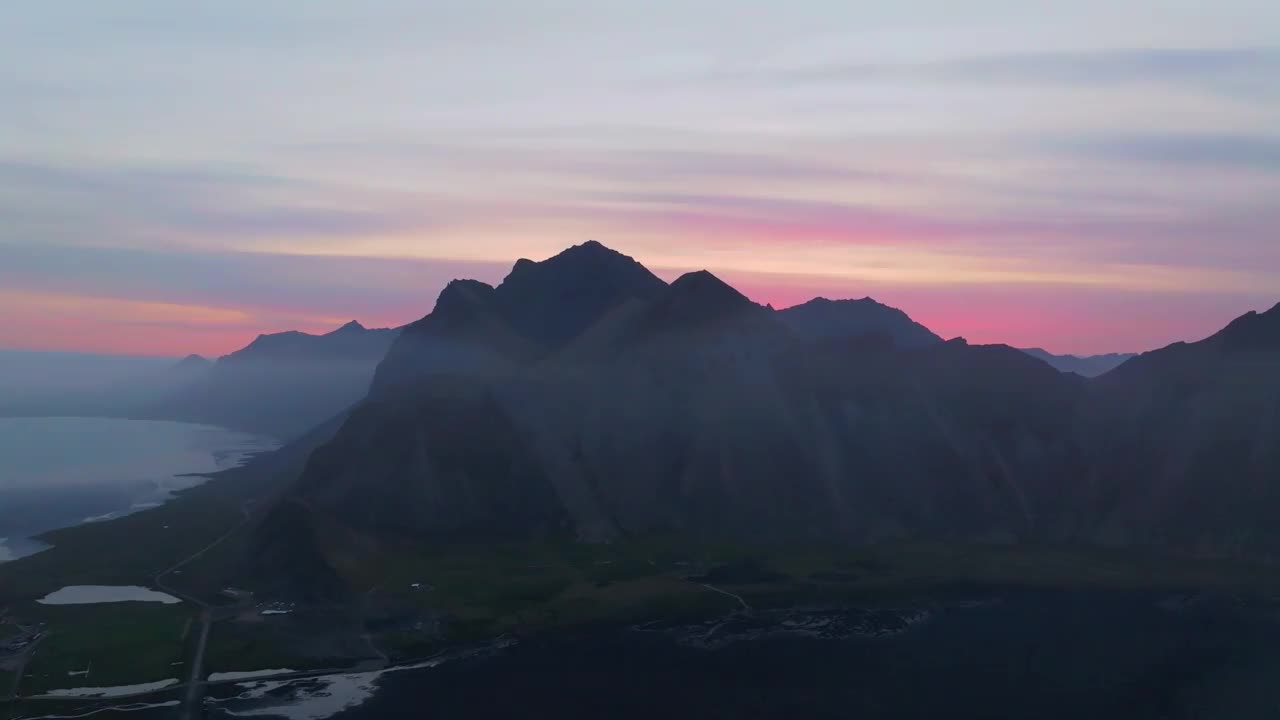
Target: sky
{"points": [[1085, 176]]}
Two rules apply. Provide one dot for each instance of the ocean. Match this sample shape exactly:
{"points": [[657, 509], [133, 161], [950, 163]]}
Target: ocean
{"points": [[58, 472]]}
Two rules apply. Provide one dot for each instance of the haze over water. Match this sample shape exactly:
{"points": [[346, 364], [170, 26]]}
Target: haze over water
{"points": [[59, 472]]}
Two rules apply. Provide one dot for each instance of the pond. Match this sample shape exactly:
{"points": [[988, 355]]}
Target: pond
{"points": [[97, 594]]}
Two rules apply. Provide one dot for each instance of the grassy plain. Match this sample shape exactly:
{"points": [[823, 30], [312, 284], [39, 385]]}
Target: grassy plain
{"points": [[119, 643]]}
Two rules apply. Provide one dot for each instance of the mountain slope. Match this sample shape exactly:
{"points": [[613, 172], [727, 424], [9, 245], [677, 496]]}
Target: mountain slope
{"points": [[1185, 442]]}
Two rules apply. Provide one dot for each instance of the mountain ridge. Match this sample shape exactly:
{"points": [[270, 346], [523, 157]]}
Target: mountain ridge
{"points": [[821, 318], [695, 411], [280, 384]]}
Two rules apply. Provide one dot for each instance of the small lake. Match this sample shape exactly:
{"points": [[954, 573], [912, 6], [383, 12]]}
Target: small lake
{"points": [[59, 472], [97, 594]]}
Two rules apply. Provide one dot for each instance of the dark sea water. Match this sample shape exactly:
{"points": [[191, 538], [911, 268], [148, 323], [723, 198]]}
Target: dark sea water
{"points": [[57, 472], [1020, 655]]}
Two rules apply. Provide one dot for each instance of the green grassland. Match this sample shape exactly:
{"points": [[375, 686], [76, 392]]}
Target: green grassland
{"points": [[242, 648], [326, 638], [484, 590], [127, 551], [122, 643]]}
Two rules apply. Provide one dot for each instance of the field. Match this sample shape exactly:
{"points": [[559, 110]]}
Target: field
{"points": [[119, 644], [420, 596], [309, 639]]}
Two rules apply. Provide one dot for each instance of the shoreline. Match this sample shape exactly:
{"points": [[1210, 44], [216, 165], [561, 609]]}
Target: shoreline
{"points": [[42, 540]]}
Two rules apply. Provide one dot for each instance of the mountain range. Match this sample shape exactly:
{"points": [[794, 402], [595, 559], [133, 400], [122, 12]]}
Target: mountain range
{"points": [[281, 384], [585, 398], [1085, 366]]}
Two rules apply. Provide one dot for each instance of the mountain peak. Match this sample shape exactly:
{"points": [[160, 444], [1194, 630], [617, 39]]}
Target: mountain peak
{"points": [[554, 300], [1251, 331], [703, 284], [698, 297], [824, 319], [590, 246], [351, 327], [577, 257], [820, 300], [193, 362], [460, 294]]}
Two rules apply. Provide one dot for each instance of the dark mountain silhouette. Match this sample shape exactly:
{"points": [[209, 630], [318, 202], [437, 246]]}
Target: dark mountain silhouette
{"points": [[1084, 366], [466, 332], [822, 319], [1251, 332], [688, 409], [1185, 442], [552, 301], [537, 309], [281, 384]]}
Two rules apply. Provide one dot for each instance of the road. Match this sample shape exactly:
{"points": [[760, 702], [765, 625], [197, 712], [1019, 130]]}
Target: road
{"points": [[21, 668], [195, 683], [744, 604]]}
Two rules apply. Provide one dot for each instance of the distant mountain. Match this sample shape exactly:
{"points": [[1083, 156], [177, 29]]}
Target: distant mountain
{"points": [[823, 319], [1086, 366], [281, 384], [62, 383], [193, 364]]}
